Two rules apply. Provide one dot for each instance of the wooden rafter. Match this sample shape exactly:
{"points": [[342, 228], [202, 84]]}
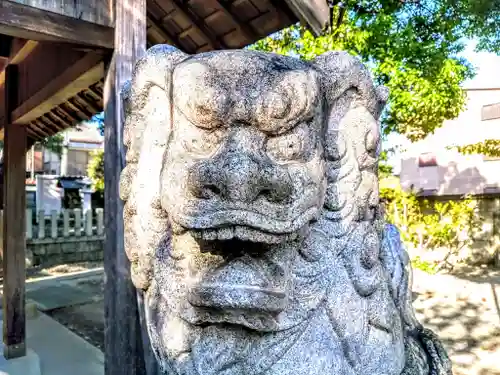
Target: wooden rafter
{"points": [[90, 101], [73, 80], [72, 114], [277, 6], [61, 119], [198, 23], [169, 38], [28, 22], [39, 130], [75, 104], [47, 125], [47, 118], [314, 13], [244, 29]]}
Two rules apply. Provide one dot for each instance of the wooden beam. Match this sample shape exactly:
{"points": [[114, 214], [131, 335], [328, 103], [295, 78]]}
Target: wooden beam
{"points": [[19, 52], [169, 38], [124, 351], [38, 130], [314, 13], [76, 78], [90, 101], [77, 106], [14, 226], [28, 22], [56, 124], [60, 116], [47, 125], [199, 24], [244, 29]]}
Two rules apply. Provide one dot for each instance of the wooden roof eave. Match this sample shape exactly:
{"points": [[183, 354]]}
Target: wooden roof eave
{"points": [[52, 109]]}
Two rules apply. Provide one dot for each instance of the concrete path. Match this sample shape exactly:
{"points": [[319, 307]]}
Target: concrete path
{"points": [[464, 311], [61, 352]]}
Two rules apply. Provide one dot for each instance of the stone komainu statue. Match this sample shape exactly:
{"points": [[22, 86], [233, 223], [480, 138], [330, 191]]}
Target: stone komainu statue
{"points": [[252, 219]]}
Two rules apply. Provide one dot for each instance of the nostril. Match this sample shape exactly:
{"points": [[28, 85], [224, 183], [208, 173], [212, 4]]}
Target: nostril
{"points": [[209, 191], [213, 189], [274, 195], [265, 193]]}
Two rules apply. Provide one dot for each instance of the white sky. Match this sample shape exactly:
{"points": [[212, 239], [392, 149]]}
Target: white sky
{"points": [[488, 68]]}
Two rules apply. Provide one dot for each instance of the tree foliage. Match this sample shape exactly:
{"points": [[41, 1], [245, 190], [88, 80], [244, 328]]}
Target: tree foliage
{"points": [[95, 170], [490, 147], [53, 143], [410, 46], [426, 225]]}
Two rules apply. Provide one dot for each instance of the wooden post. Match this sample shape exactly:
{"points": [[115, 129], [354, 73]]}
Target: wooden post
{"points": [[123, 346], [14, 225]]}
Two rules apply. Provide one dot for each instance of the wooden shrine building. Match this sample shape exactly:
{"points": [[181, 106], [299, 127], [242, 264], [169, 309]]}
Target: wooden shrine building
{"points": [[61, 62]]}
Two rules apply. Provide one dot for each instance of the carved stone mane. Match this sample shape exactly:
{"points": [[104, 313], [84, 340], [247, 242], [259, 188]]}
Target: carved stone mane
{"points": [[252, 219]]}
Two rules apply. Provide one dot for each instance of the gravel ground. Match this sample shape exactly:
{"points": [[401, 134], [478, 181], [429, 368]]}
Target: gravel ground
{"points": [[86, 320], [463, 309]]}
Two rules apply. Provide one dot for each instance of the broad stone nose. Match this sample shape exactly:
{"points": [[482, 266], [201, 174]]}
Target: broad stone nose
{"points": [[239, 177]]}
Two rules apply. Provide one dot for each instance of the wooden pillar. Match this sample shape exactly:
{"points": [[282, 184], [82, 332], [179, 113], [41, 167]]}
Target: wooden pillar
{"points": [[123, 346], [14, 225]]}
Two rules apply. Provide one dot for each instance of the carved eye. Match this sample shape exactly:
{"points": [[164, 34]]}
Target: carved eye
{"points": [[287, 147]]}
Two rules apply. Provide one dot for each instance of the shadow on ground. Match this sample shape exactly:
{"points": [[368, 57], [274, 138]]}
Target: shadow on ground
{"points": [[463, 310]]}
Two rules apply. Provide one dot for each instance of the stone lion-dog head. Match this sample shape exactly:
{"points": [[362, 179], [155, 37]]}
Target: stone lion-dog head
{"points": [[251, 214]]}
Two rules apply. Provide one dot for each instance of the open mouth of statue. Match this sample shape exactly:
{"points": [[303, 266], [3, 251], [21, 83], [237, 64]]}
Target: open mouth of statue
{"points": [[250, 275], [242, 233], [225, 225]]}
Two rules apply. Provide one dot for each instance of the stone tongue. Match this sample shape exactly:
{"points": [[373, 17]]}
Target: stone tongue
{"points": [[243, 283]]}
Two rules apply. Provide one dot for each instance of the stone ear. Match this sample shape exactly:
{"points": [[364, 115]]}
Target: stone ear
{"points": [[343, 73], [147, 102], [154, 70]]}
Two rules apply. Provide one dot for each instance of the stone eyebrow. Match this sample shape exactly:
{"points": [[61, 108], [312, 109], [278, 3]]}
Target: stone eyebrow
{"points": [[293, 100]]}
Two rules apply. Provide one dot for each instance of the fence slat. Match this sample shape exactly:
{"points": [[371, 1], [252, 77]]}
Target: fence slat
{"points": [[65, 223], [78, 222], [100, 221], [41, 224], [53, 224], [88, 223], [29, 224]]}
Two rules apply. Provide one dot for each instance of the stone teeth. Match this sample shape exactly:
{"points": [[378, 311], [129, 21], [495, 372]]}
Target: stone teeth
{"points": [[209, 235], [196, 234], [225, 233]]}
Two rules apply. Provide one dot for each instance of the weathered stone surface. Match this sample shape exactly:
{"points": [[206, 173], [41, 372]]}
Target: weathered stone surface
{"points": [[252, 219]]}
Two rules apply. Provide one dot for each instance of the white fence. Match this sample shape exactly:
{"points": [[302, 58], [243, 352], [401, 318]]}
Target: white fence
{"points": [[66, 223]]}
